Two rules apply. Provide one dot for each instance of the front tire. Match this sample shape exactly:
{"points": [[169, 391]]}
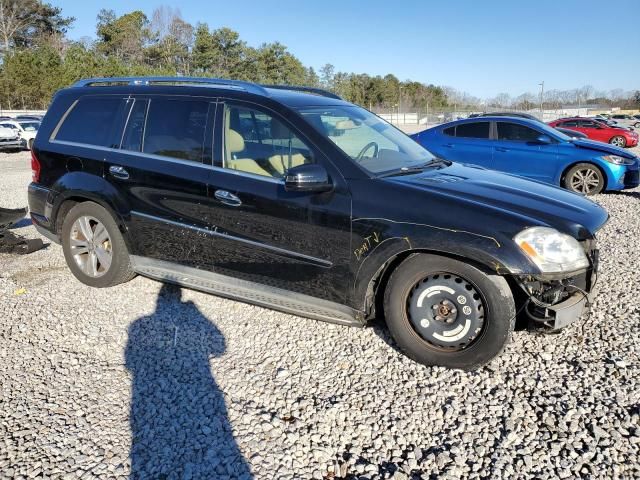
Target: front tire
{"points": [[584, 178], [94, 248], [445, 312], [618, 141]]}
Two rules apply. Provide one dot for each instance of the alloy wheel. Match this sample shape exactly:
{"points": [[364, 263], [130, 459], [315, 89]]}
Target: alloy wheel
{"points": [[585, 180], [446, 311], [618, 142], [91, 246]]}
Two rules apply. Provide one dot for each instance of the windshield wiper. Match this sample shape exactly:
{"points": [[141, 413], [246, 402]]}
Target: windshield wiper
{"points": [[436, 162]]}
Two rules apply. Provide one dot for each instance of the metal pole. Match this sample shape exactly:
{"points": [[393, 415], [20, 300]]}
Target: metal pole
{"points": [[541, 99]]}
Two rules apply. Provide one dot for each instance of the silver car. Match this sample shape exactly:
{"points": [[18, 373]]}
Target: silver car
{"points": [[626, 120]]}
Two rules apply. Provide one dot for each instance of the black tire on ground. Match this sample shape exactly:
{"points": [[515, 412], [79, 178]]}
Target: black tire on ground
{"points": [[584, 178], [120, 270], [618, 141], [494, 294]]}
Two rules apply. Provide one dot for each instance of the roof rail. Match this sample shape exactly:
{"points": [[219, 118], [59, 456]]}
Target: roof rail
{"points": [[315, 91], [237, 84]]}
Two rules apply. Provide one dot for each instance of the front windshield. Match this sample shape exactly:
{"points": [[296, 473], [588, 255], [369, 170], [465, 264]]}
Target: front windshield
{"points": [[371, 142], [30, 126]]}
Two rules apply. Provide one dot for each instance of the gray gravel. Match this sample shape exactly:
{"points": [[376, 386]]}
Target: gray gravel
{"points": [[136, 380]]}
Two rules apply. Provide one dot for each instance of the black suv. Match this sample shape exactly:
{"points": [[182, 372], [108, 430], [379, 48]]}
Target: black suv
{"points": [[294, 199]]}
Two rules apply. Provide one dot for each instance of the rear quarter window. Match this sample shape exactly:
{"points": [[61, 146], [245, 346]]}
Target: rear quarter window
{"points": [[92, 121], [473, 130]]}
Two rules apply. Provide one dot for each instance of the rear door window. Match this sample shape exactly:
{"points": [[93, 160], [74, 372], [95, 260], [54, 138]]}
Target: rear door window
{"points": [[175, 128], [516, 133], [473, 130], [93, 121]]}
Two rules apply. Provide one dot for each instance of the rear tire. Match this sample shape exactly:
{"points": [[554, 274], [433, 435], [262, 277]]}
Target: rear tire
{"points": [[618, 141], [584, 178], [431, 302], [94, 248]]}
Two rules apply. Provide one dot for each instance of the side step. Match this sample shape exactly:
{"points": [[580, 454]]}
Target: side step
{"points": [[246, 291]]}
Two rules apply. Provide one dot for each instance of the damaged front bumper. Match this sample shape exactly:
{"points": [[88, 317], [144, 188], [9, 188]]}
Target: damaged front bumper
{"points": [[554, 301]]}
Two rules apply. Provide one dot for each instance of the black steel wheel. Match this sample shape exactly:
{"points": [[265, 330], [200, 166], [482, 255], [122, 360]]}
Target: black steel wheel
{"points": [[446, 312]]}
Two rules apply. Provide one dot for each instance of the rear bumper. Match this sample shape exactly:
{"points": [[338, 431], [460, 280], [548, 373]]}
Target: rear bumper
{"points": [[40, 208]]}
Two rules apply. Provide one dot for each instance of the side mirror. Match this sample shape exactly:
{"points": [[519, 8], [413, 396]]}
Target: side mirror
{"points": [[307, 178], [544, 139]]}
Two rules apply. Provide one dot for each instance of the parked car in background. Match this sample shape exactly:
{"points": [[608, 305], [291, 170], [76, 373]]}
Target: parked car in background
{"points": [[626, 120], [9, 139], [535, 150], [596, 130], [26, 130], [171, 181], [36, 118], [571, 133], [528, 116]]}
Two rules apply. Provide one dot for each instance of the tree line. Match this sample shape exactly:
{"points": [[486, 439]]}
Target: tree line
{"points": [[37, 58]]}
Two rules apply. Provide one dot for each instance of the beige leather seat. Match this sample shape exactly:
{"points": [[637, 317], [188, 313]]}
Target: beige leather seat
{"points": [[283, 162], [234, 143]]}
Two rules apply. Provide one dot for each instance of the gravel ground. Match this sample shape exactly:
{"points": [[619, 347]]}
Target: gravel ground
{"points": [[146, 381]]}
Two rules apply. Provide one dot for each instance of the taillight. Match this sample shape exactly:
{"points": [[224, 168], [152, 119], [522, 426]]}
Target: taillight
{"points": [[35, 167]]}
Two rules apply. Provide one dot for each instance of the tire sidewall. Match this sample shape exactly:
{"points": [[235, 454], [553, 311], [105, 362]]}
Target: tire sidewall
{"points": [[120, 255], [580, 166], [496, 296]]}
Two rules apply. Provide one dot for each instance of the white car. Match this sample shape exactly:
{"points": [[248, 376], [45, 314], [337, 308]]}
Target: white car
{"points": [[10, 139], [25, 129], [626, 120]]}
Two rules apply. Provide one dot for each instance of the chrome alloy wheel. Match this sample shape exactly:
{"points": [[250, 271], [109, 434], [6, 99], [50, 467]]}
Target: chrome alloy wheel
{"points": [[446, 311], [91, 246], [585, 180]]}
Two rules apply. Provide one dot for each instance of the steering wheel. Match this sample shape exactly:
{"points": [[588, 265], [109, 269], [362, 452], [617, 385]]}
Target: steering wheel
{"points": [[367, 147]]}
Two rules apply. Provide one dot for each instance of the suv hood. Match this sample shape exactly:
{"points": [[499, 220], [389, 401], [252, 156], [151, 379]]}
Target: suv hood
{"points": [[532, 202], [602, 147]]}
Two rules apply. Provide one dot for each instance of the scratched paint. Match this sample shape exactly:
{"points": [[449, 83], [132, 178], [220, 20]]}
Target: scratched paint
{"points": [[368, 244]]}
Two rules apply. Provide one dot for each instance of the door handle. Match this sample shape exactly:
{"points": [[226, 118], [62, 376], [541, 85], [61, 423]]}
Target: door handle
{"points": [[228, 198], [448, 145], [501, 149], [118, 172]]}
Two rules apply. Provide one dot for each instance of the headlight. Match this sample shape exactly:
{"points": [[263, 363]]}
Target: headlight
{"points": [[617, 160], [552, 251]]}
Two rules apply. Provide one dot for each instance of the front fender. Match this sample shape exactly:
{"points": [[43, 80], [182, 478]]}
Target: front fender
{"points": [[385, 241]]}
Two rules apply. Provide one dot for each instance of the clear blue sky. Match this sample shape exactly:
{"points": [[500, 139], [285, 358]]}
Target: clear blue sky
{"points": [[482, 47]]}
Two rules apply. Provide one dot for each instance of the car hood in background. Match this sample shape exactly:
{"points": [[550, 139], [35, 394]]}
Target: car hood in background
{"points": [[535, 203], [602, 147]]}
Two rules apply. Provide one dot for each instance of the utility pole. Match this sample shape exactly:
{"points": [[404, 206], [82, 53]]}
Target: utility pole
{"points": [[541, 99]]}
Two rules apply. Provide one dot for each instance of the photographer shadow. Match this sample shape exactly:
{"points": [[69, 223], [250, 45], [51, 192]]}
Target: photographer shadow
{"points": [[179, 422]]}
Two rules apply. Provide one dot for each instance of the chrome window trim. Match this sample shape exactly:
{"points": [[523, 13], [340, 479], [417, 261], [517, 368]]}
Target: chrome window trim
{"points": [[215, 233], [192, 163], [54, 133]]}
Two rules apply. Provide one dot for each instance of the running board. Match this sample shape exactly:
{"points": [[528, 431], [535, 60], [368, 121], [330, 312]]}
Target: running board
{"points": [[246, 291]]}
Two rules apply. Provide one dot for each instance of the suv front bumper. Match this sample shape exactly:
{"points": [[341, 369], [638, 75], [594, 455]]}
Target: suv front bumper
{"points": [[554, 302]]}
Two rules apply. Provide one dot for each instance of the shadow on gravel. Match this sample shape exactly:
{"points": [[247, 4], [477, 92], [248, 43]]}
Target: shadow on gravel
{"points": [[179, 421], [625, 193]]}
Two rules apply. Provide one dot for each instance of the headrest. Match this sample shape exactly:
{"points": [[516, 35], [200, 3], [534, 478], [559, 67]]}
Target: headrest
{"points": [[279, 131], [235, 142]]}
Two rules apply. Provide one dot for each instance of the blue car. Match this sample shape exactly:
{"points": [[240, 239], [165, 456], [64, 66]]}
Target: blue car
{"points": [[534, 150]]}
